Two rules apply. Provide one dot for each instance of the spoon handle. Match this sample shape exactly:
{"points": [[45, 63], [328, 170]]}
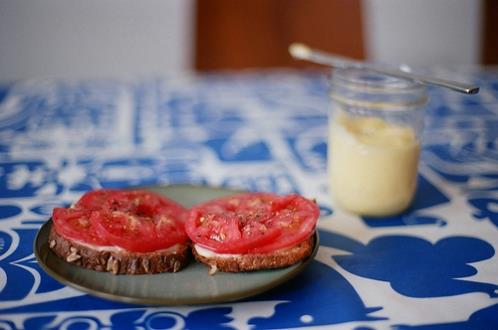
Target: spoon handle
{"points": [[453, 85], [305, 53]]}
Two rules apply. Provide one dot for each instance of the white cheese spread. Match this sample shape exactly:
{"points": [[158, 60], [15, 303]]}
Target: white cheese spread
{"points": [[203, 252], [118, 249]]}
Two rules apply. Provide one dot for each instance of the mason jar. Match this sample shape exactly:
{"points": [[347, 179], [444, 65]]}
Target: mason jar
{"points": [[375, 129]]}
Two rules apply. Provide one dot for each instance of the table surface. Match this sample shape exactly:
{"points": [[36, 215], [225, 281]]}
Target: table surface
{"points": [[434, 267]]}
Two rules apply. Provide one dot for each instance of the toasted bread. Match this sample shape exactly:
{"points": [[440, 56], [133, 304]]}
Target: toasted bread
{"points": [[251, 262], [117, 260]]}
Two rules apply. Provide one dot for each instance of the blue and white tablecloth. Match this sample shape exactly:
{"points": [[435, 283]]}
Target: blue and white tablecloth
{"points": [[435, 267]]}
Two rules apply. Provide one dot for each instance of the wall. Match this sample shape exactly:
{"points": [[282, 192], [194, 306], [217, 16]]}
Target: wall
{"points": [[102, 38], [423, 32], [94, 38]]}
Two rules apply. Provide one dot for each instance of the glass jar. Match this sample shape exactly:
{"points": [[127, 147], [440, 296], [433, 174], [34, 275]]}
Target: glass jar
{"points": [[375, 128]]}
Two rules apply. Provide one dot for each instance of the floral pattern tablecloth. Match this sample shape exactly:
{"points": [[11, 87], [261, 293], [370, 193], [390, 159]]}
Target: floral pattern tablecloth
{"points": [[434, 267]]}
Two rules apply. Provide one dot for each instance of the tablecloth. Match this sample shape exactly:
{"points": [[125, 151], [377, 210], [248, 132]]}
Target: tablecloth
{"points": [[433, 267]]}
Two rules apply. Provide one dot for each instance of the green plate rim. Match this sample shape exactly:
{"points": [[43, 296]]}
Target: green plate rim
{"points": [[222, 298]]}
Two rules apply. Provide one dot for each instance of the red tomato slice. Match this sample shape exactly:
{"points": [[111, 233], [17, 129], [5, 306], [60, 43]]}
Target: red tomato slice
{"points": [[93, 200], [136, 220], [75, 224], [252, 222], [294, 214], [127, 231], [141, 221]]}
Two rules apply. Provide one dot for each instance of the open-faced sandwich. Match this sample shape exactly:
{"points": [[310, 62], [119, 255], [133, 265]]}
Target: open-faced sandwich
{"points": [[252, 231], [123, 232]]}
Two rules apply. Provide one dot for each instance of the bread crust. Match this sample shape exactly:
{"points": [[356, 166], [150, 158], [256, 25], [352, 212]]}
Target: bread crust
{"points": [[118, 262], [252, 262]]}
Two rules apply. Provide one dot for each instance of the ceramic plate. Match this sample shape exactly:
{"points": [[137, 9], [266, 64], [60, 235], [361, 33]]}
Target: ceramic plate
{"points": [[192, 285]]}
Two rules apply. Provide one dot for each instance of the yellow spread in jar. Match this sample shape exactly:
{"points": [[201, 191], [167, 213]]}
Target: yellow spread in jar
{"points": [[372, 165]]}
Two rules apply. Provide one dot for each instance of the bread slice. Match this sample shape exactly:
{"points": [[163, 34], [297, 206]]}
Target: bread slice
{"points": [[117, 260], [250, 262]]}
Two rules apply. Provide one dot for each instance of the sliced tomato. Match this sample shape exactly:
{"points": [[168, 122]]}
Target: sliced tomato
{"points": [[252, 222], [294, 215], [75, 224], [136, 220], [125, 231], [93, 200], [141, 221]]}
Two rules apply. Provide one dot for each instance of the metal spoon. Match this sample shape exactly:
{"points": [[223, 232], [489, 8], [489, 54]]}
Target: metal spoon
{"points": [[303, 52]]}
